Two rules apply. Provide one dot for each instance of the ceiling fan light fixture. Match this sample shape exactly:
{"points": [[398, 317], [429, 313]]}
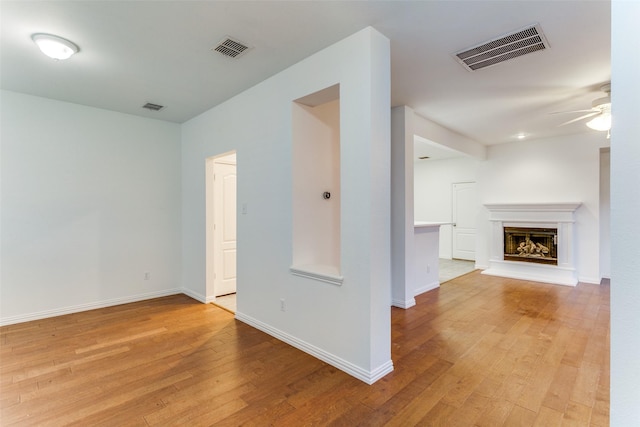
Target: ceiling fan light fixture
{"points": [[55, 47], [601, 122]]}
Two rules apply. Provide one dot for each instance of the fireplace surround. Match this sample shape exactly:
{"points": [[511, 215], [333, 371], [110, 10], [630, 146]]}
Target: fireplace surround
{"points": [[533, 241]]}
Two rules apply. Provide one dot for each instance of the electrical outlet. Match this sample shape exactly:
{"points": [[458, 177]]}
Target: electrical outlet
{"points": [[428, 268], [147, 275], [282, 305]]}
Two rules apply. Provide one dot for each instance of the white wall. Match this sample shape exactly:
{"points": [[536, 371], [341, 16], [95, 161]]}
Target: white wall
{"points": [[564, 169], [90, 202], [349, 325], [625, 211], [433, 186]]}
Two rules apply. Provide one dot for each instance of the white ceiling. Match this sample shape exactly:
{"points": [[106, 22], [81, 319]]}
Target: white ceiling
{"points": [[133, 52]]}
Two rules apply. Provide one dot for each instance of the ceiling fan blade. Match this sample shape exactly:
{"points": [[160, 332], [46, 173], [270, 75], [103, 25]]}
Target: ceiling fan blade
{"points": [[592, 113]]}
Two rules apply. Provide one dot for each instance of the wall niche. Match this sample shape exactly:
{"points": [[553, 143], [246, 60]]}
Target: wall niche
{"points": [[316, 185]]}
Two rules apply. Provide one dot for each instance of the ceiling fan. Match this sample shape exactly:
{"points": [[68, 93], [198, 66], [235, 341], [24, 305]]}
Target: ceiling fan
{"points": [[600, 112]]}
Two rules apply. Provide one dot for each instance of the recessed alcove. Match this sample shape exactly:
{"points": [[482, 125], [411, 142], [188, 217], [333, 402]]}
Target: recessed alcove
{"points": [[316, 186]]}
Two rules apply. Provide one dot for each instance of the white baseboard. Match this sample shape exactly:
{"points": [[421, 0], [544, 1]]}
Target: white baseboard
{"points": [[590, 280], [196, 296], [85, 307], [403, 304], [425, 288], [364, 375]]}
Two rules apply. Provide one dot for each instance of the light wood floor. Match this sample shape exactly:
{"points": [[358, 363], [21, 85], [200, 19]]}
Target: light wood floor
{"points": [[478, 351]]}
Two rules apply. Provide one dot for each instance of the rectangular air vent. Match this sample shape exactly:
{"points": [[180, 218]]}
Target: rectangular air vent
{"points": [[502, 48], [231, 47], [153, 107]]}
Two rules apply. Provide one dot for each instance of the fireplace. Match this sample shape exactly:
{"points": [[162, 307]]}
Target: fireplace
{"points": [[533, 241], [531, 244]]}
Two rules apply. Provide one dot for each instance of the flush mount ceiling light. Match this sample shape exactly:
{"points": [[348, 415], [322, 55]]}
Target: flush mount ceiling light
{"points": [[601, 122], [55, 47], [602, 112]]}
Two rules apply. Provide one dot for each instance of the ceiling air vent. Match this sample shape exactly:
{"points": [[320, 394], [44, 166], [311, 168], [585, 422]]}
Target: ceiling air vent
{"points": [[502, 48], [153, 107], [231, 47]]}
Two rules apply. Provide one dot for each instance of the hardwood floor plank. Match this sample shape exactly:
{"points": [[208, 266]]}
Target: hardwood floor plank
{"points": [[420, 405], [470, 411], [126, 339], [392, 407], [576, 415], [586, 385], [548, 418], [258, 416], [559, 392], [439, 415], [495, 413], [478, 351], [537, 387], [185, 406], [520, 417]]}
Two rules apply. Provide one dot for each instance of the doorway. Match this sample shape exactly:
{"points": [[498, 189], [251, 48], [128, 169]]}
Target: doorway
{"points": [[221, 220]]}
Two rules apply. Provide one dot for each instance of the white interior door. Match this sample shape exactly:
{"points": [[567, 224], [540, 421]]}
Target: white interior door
{"points": [[224, 228], [465, 210]]}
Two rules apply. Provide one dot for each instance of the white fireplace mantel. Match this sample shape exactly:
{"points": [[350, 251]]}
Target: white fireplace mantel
{"points": [[533, 212], [551, 215]]}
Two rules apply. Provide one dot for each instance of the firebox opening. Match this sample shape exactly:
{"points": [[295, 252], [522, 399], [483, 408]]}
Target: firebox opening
{"points": [[530, 244]]}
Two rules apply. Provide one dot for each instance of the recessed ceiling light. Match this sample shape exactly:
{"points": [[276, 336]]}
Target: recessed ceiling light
{"points": [[521, 136], [55, 47]]}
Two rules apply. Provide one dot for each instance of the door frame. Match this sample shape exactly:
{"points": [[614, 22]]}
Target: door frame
{"points": [[210, 247]]}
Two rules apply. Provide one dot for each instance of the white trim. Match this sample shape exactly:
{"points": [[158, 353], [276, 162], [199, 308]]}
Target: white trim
{"points": [[426, 288], [314, 273], [88, 306], [403, 304], [197, 296], [364, 375], [532, 207], [532, 212], [590, 280]]}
